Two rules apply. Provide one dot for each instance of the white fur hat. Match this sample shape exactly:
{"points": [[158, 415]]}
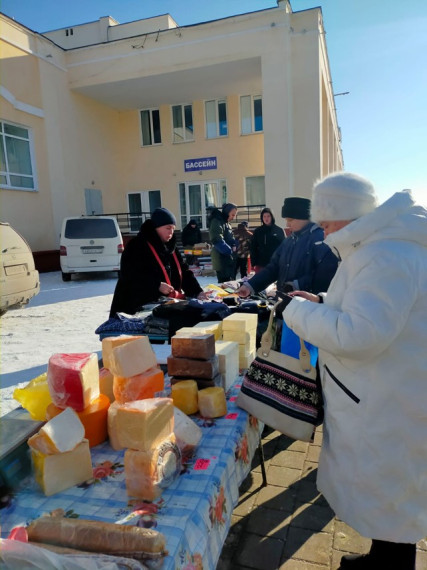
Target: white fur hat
{"points": [[342, 196]]}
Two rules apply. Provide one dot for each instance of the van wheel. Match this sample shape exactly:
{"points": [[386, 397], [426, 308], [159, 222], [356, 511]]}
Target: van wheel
{"points": [[66, 276]]}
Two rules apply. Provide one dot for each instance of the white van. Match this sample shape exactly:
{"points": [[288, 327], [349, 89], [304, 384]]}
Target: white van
{"points": [[89, 243], [19, 279]]}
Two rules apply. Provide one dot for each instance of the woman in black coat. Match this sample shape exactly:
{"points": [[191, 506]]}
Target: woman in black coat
{"points": [[152, 267]]}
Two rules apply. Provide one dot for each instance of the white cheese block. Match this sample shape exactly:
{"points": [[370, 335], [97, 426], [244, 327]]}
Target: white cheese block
{"points": [[246, 360], [55, 473], [60, 434], [228, 357], [188, 434], [132, 358], [240, 322], [111, 342]]}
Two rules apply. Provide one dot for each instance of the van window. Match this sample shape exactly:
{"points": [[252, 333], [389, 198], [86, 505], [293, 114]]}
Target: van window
{"points": [[93, 228]]}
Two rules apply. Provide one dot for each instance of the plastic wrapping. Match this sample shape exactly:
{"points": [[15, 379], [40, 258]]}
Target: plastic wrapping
{"points": [[35, 397]]}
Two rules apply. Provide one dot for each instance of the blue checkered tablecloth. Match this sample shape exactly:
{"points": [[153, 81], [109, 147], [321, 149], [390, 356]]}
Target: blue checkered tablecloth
{"points": [[194, 513]]}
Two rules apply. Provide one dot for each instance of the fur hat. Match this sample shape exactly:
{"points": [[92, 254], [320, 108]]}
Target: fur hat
{"points": [[342, 196], [296, 208], [162, 217]]}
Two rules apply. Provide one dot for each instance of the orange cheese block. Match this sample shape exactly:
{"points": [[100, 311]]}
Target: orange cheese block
{"points": [[148, 384], [147, 473], [106, 383], [94, 419], [212, 402], [184, 396]]}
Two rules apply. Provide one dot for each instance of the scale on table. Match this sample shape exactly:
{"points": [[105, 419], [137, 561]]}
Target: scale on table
{"points": [[15, 459]]}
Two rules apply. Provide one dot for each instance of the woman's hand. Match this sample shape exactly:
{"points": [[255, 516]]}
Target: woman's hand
{"points": [[165, 289], [306, 295], [243, 291], [203, 296]]}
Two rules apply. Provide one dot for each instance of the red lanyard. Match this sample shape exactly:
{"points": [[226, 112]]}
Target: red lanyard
{"points": [[165, 273]]}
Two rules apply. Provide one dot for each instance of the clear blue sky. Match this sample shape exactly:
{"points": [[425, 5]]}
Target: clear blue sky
{"points": [[377, 51]]}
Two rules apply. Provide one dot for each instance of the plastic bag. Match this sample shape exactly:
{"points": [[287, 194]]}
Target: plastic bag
{"points": [[290, 345], [35, 397]]}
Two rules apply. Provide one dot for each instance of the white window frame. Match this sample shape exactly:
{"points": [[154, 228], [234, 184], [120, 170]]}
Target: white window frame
{"points": [[252, 99], [217, 133], [188, 135], [219, 199], [7, 173], [247, 202], [150, 111]]}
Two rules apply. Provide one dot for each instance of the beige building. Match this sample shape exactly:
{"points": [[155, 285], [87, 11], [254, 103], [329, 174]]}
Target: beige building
{"points": [[119, 118]]}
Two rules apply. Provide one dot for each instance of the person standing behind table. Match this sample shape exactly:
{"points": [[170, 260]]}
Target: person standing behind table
{"points": [[371, 330], [244, 237], [302, 261], [224, 244], [142, 279], [266, 239], [191, 234]]}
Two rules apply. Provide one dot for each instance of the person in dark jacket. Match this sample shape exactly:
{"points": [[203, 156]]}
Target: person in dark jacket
{"points": [[191, 234], [302, 261], [223, 241], [152, 267], [265, 241], [243, 236]]}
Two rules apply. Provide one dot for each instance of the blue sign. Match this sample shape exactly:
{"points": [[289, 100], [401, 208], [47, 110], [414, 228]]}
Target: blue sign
{"points": [[208, 163]]}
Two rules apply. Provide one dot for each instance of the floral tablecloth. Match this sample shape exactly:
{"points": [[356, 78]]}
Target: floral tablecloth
{"points": [[194, 513]]}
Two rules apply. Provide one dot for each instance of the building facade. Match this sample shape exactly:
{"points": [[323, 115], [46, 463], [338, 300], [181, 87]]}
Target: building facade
{"points": [[108, 118]]}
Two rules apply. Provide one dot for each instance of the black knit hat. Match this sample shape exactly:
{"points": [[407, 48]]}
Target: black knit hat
{"points": [[296, 208], [162, 217]]}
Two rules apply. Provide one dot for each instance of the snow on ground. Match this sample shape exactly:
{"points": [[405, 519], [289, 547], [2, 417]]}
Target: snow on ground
{"points": [[63, 317]]}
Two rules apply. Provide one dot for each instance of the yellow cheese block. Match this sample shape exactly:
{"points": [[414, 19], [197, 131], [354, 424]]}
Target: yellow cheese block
{"points": [[106, 383], [246, 360], [147, 473], [55, 473], [60, 434], [143, 424], [228, 358], [241, 337], [132, 358], [240, 322], [212, 402], [184, 396], [245, 351], [113, 435], [206, 327], [111, 342], [93, 418]]}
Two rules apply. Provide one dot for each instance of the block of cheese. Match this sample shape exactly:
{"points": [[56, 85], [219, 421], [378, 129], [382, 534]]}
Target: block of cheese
{"points": [[106, 383], [245, 361], [187, 433], [201, 347], [143, 424], [206, 327], [148, 384], [241, 337], [132, 357], [217, 380], [228, 360], [60, 471], [190, 368], [147, 473], [184, 396], [73, 379], [109, 343], [112, 426], [61, 433], [240, 322], [94, 419], [212, 402], [245, 350]]}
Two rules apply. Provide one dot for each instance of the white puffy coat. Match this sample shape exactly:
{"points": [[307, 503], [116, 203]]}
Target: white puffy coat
{"points": [[372, 337]]}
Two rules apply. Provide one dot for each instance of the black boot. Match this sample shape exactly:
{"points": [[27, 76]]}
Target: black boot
{"points": [[382, 556]]}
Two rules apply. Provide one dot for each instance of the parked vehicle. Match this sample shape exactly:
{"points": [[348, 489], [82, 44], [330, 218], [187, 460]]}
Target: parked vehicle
{"points": [[19, 279], [89, 243]]}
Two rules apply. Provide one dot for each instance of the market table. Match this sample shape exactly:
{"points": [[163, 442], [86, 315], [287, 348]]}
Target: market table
{"points": [[194, 513]]}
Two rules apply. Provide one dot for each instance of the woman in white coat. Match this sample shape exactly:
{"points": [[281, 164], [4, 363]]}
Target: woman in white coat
{"points": [[371, 330]]}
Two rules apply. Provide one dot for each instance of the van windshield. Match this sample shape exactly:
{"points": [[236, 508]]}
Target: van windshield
{"points": [[90, 228]]}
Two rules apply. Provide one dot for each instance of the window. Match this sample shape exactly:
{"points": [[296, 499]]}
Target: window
{"points": [[150, 127], [139, 203], [196, 197], [216, 119], [16, 157], [250, 114], [255, 190], [182, 120]]}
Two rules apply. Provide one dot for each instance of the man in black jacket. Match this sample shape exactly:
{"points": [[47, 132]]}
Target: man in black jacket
{"points": [[265, 241]]}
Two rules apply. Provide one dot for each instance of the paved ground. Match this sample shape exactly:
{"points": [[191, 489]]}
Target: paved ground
{"points": [[288, 525]]}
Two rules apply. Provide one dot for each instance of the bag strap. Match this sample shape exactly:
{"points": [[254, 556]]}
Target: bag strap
{"points": [[267, 341], [159, 261]]}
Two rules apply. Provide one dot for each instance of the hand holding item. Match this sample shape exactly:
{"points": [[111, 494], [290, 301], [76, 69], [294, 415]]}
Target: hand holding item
{"points": [[165, 289], [244, 291], [203, 296], [305, 295]]}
